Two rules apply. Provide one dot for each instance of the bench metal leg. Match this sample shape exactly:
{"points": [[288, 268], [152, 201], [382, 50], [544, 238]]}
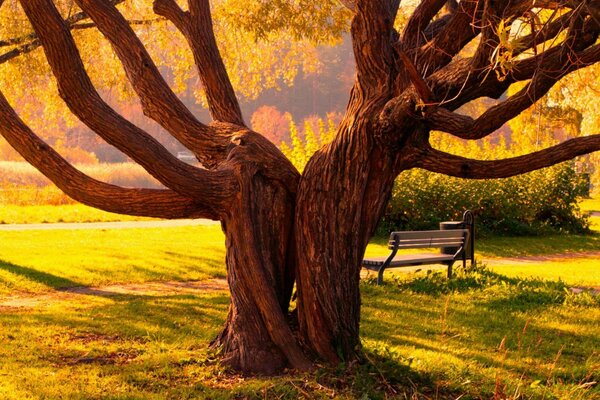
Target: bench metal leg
{"points": [[450, 270], [380, 275]]}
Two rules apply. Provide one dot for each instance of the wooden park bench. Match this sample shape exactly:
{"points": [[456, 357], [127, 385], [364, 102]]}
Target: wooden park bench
{"points": [[455, 244]]}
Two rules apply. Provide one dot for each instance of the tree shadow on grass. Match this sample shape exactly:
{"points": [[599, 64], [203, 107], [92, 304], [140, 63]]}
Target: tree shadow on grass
{"points": [[35, 275], [467, 320]]}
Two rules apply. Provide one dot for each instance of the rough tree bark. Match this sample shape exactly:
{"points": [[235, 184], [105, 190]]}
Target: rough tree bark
{"points": [[283, 228]]}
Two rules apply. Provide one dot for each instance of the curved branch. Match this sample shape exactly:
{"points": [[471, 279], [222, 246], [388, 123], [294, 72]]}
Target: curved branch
{"points": [[197, 28], [158, 100], [142, 202], [438, 161], [222, 101], [492, 119], [554, 68], [171, 11], [461, 28], [419, 20], [77, 90]]}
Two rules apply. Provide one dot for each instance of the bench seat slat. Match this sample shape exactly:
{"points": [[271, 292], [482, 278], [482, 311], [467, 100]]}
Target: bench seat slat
{"points": [[425, 245], [408, 259], [428, 234]]}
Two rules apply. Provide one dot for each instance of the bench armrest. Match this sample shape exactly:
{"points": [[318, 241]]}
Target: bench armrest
{"points": [[461, 249], [393, 254]]}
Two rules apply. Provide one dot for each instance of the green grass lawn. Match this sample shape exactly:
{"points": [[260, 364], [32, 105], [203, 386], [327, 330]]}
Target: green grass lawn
{"points": [[39, 260], [590, 205], [499, 331]]}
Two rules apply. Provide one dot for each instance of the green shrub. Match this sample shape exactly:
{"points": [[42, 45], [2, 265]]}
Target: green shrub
{"points": [[539, 202]]}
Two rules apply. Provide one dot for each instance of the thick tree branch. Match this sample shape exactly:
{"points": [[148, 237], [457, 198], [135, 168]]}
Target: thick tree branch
{"points": [[466, 127], [171, 11], [419, 20], [142, 202], [458, 84], [545, 69], [77, 90], [197, 27], [437, 161], [158, 100], [222, 101], [372, 28], [460, 29]]}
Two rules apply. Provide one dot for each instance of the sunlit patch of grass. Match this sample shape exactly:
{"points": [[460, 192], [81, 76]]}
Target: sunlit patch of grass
{"points": [[479, 336], [595, 224], [571, 271], [484, 334], [40, 260], [590, 205], [537, 246]]}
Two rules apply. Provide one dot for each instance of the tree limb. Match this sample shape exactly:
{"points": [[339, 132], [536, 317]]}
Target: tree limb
{"points": [[22, 49], [158, 100], [550, 30], [419, 20], [557, 62], [438, 161], [461, 28], [489, 36], [466, 127], [142, 202], [171, 11], [197, 27], [77, 90], [222, 101]]}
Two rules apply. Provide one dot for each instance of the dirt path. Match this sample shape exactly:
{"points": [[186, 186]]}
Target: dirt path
{"points": [[109, 225], [157, 289], [548, 258]]}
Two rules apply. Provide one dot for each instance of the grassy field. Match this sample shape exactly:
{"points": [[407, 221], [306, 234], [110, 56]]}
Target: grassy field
{"points": [[505, 331], [36, 261]]}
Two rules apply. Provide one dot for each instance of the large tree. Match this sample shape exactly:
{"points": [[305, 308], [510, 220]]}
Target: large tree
{"points": [[283, 228]]}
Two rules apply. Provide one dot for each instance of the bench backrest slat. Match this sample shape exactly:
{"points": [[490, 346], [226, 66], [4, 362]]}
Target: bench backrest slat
{"points": [[424, 239]]}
